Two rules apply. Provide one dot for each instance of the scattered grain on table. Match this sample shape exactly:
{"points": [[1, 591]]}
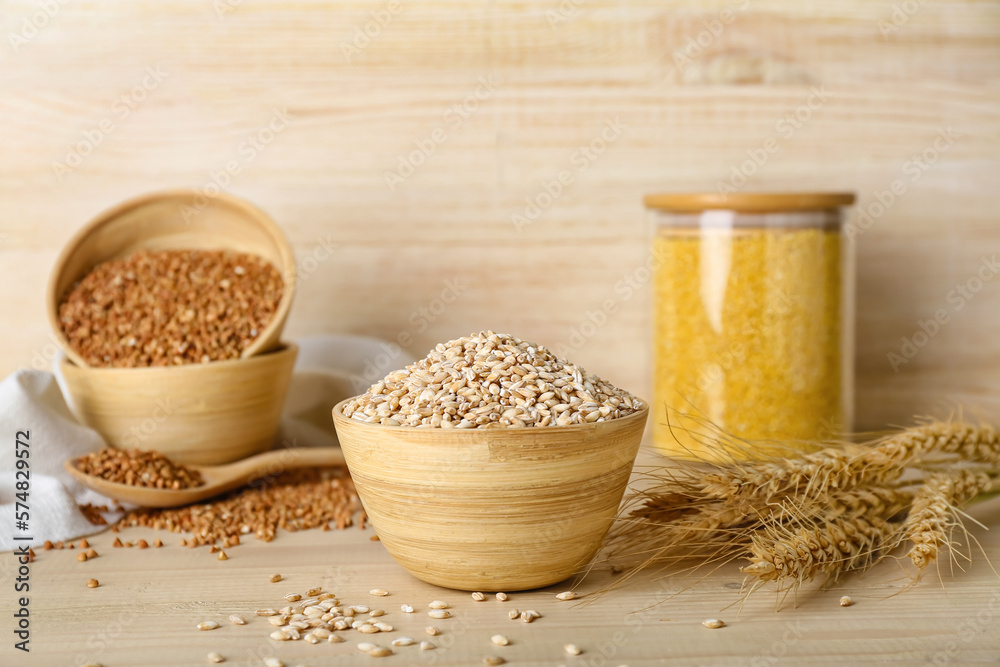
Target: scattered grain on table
{"points": [[294, 500]]}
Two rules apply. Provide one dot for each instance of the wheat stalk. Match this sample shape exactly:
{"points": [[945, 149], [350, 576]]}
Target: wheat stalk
{"points": [[933, 514], [825, 512], [881, 461]]}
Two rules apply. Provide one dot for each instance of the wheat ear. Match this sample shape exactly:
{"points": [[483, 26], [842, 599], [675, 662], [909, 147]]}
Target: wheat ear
{"points": [[781, 552], [933, 514]]}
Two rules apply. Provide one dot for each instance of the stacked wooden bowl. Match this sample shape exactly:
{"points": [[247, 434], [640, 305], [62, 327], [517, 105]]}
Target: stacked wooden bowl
{"points": [[207, 413]]}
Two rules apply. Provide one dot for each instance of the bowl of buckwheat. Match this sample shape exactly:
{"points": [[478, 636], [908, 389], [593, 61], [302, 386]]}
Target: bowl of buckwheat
{"points": [[169, 310]]}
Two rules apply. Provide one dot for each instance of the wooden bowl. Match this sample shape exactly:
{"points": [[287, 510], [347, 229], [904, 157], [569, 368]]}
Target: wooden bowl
{"points": [[175, 220], [491, 509], [203, 414]]}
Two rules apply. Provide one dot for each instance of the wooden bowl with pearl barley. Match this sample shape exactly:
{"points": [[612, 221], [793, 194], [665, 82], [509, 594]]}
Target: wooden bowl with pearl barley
{"points": [[491, 509]]}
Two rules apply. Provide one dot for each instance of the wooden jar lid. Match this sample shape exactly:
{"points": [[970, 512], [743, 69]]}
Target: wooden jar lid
{"points": [[749, 202]]}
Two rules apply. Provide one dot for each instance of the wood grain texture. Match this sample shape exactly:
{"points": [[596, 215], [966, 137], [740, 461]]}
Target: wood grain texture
{"points": [[149, 602], [491, 509], [202, 414], [384, 261]]}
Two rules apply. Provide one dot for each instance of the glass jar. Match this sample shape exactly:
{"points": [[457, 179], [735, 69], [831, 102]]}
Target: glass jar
{"points": [[753, 322]]}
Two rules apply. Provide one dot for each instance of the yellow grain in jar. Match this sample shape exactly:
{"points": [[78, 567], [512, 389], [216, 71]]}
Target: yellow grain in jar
{"points": [[753, 315]]}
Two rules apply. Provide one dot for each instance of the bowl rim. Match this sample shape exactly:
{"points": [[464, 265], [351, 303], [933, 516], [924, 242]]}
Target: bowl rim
{"points": [[284, 348], [251, 212], [338, 412]]}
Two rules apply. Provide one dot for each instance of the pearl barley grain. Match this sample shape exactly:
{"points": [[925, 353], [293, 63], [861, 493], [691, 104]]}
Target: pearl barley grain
{"points": [[485, 373]]}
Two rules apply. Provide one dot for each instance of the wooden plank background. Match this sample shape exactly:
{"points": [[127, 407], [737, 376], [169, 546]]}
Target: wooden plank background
{"points": [[137, 96]]}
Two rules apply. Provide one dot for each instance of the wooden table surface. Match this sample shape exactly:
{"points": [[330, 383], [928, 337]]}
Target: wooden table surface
{"points": [[149, 602]]}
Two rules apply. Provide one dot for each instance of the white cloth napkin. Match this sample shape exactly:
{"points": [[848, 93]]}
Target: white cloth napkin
{"points": [[31, 401], [329, 369]]}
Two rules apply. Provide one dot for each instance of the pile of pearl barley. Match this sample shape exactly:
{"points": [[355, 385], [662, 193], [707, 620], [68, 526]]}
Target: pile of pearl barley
{"points": [[491, 380]]}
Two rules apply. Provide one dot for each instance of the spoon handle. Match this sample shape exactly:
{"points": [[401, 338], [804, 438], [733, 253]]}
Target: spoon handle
{"points": [[275, 461]]}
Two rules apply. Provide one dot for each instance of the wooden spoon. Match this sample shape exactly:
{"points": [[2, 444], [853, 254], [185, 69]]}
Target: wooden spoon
{"points": [[218, 479]]}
